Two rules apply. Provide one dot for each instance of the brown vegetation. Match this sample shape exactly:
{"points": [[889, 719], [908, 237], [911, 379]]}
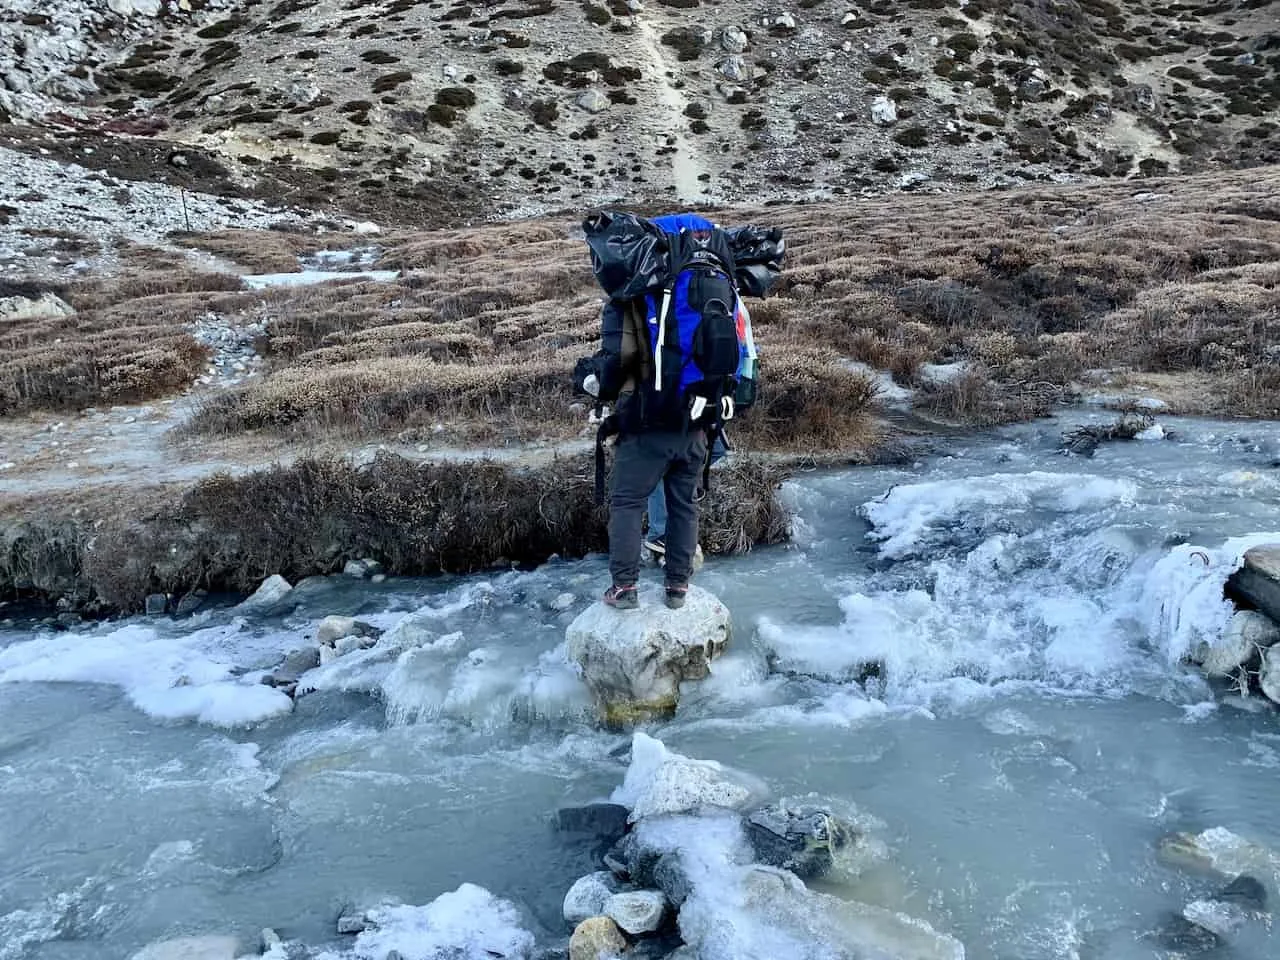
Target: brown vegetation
{"points": [[228, 533]]}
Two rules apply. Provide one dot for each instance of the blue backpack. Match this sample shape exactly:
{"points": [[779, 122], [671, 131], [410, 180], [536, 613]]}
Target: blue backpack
{"points": [[694, 348]]}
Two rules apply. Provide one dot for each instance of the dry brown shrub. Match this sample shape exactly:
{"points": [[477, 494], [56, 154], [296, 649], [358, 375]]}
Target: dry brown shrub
{"points": [[809, 401], [259, 251], [512, 400], [228, 533]]}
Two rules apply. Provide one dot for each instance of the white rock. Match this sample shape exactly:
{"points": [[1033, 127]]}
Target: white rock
{"points": [[272, 590], [587, 896], [366, 228], [1247, 634], [351, 643], [191, 948], [659, 781], [634, 661], [848, 18], [786, 21], [593, 101], [734, 67], [1216, 916], [563, 602], [328, 654], [334, 628], [1269, 679], [638, 912], [47, 305], [884, 111], [1218, 851], [734, 40]]}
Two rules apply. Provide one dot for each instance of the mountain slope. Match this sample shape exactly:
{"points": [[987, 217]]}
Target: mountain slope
{"points": [[519, 105]]}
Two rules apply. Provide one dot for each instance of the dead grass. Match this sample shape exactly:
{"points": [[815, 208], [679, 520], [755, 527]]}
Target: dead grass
{"points": [[112, 548], [1180, 276], [258, 251]]}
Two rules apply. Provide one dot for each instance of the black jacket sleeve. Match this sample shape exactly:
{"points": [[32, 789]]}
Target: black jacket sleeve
{"points": [[608, 360]]}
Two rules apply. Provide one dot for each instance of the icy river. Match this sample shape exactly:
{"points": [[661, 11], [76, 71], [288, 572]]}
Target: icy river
{"points": [[1030, 735]]}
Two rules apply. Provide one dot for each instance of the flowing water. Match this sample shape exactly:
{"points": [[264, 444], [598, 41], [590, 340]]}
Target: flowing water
{"points": [[976, 657]]}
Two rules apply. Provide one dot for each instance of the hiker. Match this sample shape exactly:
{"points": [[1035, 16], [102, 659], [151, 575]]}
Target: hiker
{"points": [[663, 417], [670, 360]]}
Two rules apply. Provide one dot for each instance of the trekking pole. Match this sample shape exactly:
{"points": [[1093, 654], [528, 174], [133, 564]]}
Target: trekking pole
{"points": [[186, 219]]}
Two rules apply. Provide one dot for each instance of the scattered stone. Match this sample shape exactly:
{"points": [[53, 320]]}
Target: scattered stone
{"points": [[156, 604], [295, 665], [802, 841], [360, 569], [272, 591], [47, 305], [608, 821], [596, 938], [588, 896], [734, 67], [884, 111], [634, 661], [785, 21], [334, 628], [1221, 919], [190, 602], [1184, 938], [1217, 851], [352, 923], [638, 912], [593, 101], [734, 40]]}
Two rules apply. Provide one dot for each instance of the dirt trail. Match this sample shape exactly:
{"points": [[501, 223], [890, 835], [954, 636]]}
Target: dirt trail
{"points": [[687, 164]]}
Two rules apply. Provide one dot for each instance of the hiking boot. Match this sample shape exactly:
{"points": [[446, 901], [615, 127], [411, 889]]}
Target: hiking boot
{"points": [[676, 595], [657, 545], [622, 597]]}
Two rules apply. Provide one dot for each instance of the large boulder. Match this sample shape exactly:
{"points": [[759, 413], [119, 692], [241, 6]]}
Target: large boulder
{"points": [[634, 661], [1258, 579], [804, 841], [1248, 634]]}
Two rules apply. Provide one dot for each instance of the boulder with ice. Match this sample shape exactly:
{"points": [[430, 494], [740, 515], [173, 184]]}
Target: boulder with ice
{"points": [[468, 923], [634, 661], [1247, 636], [334, 628], [804, 841], [273, 590], [588, 896], [1258, 579], [1218, 851], [636, 912], [660, 781]]}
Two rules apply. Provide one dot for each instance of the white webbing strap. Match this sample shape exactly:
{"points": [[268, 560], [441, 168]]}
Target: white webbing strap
{"points": [[662, 338]]}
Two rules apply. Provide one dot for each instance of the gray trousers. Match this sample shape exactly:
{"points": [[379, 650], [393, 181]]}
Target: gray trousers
{"points": [[643, 461]]}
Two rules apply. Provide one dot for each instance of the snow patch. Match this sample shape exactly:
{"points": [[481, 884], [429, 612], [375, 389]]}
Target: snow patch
{"points": [[468, 924]]}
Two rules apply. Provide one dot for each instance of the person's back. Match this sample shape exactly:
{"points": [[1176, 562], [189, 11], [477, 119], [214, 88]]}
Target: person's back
{"points": [[666, 359]]}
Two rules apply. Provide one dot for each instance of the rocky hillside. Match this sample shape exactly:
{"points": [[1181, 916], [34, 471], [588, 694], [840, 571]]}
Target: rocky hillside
{"points": [[415, 107]]}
